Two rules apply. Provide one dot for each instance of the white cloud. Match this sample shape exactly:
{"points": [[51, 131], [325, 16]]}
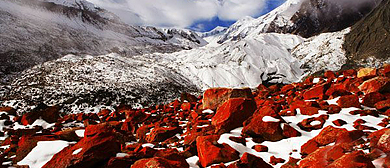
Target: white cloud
{"points": [[179, 13]]}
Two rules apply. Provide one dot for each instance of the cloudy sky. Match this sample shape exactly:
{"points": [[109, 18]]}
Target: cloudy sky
{"points": [[201, 15]]}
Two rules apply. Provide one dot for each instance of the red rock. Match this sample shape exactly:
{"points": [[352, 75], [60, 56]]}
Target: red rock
{"points": [[375, 136], [68, 134], [339, 122], [309, 147], [275, 161], [315, 92], [366, 73], [104, 112], [161, 134], [248, 161], [156, 162], [257, 128], [328, 135], [173, 156], [350, 73], [383, 105], [186, 106], [334, 153], [365, 112], [213, 98], [117, 162], [349, 101], [292, 163], [288, 112], [8, 110], [307, 125], [232, 114], [27, 143], [49, 114], [210, 152], [260, 148], [188, 97], [99, 144], [336, 91], [128, 127], [333, 109], [287, 88], [371, 99], [316, 159], [240, 140], [289, 131], [329, 74], [146, 152], [384, 142], [308, 110], [354, 159], [378, 84]]}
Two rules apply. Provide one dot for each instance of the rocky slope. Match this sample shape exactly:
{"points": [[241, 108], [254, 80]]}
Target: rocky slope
{"points": [[38, 31], [306, 18], [77, 83], [319, 16], [336, 120], [367, 43]]}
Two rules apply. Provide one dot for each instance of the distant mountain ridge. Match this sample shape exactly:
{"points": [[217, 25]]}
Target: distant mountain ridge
{"points": [[39, 31]]}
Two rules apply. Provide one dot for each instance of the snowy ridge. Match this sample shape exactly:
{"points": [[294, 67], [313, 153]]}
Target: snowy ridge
{"points": [[248, 62], [83, 4], [279, 17], [322, 52]]}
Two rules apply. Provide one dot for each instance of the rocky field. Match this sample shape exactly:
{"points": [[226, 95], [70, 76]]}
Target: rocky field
{"points": [[338, 120]]}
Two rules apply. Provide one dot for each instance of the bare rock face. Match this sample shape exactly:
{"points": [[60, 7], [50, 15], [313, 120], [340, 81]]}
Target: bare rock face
{"points": [[369, 37]]}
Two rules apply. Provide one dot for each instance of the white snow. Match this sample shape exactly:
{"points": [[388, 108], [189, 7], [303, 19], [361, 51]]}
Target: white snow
{"points": [[192, 161], [43, 123], [208, 111], [75, 152], [43, 152], [80, 133], [282, 149], [122, 155], [270, 119], [322, 52]]}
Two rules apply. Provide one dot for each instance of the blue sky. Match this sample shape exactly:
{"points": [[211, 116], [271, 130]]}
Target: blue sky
{"points": [[199, 15], [210, 24]]}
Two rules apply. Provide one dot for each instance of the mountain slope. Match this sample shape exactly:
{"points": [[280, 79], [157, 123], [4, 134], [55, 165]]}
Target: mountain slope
{"points": [[369, 39], [38, 31], [85, 81], [320, 16], [245, 63]]}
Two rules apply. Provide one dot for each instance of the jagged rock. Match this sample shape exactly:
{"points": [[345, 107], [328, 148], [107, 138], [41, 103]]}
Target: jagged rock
{"points": [[256, 127], [349, 101], [161, 134], [377, 84], [213, 98], [210, 152], [98, 145], [49, 114], [233, 113]]}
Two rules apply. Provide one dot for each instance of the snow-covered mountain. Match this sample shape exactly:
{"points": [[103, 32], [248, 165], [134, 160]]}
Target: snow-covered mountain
{"points": [[243, 55], [42, 30], [77, 82]]}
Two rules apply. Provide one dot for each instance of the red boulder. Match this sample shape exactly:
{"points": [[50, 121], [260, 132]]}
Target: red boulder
{"points": [[210, 152], [232, 114], [378, 84], [349, 101], [265, 130], [213, 98]]}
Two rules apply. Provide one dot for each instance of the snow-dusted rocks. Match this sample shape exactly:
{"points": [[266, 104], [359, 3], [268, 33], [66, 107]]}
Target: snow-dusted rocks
{"points": [[184, 134]]}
